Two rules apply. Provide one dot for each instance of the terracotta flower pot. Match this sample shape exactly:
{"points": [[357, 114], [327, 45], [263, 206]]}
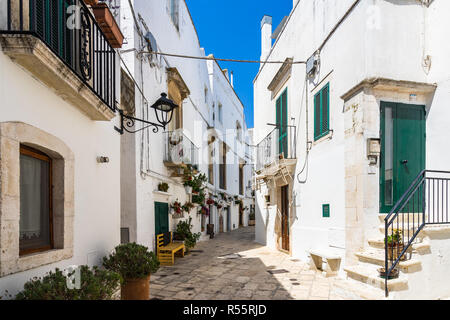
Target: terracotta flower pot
{"points": [[136, 289], [394, 251]]}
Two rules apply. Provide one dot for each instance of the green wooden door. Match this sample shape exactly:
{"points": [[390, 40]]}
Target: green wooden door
{"points": [[402, 150], [282, 118], [161, 218]]}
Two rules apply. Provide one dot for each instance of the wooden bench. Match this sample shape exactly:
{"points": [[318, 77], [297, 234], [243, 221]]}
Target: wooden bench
{"points": [[322, 257], [166, 251]]}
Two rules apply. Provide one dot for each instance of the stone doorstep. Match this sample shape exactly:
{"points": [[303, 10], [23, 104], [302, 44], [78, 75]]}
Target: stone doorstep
{"points": [[371, 277], [354, 289], [419, 247], [411, 227], [377, 258], [412, 216]]}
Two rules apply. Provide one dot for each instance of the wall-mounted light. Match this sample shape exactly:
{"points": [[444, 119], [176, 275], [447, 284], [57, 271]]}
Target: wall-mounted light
{"points": [[163, 107], [102, 159]]}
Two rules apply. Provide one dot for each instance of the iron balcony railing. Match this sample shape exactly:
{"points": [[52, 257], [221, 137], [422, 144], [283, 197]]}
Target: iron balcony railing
{"points": [[277, 144], [179, 149], [70, 30], [426, 202]]}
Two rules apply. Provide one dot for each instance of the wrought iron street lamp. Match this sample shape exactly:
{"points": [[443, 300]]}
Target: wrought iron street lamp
{"points": [[163, 107]]}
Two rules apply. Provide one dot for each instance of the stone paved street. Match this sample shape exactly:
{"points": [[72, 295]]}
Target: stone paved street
{"points": [[206, 273]]}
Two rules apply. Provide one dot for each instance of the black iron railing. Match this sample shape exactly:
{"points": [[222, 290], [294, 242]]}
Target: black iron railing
{"points": [[70, 30], [426, 202], [278, 143], [179, 149]]}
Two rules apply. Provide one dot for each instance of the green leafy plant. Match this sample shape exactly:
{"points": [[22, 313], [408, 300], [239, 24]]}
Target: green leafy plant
{"points": [[196, 181], [132, 261], [184, 232], [198, 198], [395, 238], [177, 207], [164, 187], [96, 284], [187, 207]]}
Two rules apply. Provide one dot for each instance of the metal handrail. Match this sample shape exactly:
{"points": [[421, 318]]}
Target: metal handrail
{"points": [[423, 200], [84, 49], [179, 149], [268, 148]]}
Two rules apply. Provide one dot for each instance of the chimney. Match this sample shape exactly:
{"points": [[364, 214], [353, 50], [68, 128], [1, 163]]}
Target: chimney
{"points": [[266, 36], [231, 79], [225, 73]]}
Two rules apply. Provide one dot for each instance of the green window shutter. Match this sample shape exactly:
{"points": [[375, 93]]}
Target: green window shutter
{"points": [[322, 112], [325, 210], [281, 122], [317, 116], [325, 109]]}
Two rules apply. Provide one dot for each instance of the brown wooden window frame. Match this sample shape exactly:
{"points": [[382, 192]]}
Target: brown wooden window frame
{"points": [[31, 152]]}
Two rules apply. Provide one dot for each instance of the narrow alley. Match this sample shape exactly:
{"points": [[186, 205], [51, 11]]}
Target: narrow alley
{"points": [[233, 267]]}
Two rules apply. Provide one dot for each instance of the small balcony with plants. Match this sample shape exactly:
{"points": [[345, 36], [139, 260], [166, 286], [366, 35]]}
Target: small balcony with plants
{"points": [[63, 44]]}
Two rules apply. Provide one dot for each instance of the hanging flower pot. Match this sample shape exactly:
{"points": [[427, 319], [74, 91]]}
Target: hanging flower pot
{"points": [[188, 189]]}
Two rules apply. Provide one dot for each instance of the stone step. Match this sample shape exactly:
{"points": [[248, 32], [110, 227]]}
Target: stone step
{"points": [[370, 276], [351, 289], [418, 217], [404, 227], [418, 247], [377, 258]]}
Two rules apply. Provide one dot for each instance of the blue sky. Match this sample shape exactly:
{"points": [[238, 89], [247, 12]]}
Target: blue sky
{"points": [[231, 29]]}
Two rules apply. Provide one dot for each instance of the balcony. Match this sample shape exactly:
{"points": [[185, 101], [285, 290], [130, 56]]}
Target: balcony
{"points": [[276, 153], [179, 151], [61, 44]]}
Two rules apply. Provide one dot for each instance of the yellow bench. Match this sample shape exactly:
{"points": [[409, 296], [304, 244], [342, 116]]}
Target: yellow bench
{"points": [[166, 253]]}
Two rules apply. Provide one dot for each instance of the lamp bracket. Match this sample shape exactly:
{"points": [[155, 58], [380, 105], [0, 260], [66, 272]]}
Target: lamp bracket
{"points": [[127, 122]]}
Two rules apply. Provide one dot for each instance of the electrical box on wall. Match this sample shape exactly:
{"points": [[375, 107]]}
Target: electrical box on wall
{"points": [[373, 150], [312, 64]]}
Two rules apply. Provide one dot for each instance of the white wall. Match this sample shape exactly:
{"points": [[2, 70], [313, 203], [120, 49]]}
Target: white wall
{"points": [[378, 39], [147, 156], [97, 186]]}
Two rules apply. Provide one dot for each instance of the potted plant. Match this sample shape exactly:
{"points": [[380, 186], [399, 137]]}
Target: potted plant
{"points": [[184, 232], [393, 275], [177, 208], [395, 245], [198, 198], [95, 284], [164, 187], [251, 219], [210, 202], [135, 263], [187, 207]]}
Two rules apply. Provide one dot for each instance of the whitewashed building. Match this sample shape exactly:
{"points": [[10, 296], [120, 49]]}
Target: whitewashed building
{"points": [[208, 114], [59, 152], [354, 127]]}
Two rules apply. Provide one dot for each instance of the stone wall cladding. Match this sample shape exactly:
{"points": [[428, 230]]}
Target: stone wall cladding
{"points": [[12, 134]]}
